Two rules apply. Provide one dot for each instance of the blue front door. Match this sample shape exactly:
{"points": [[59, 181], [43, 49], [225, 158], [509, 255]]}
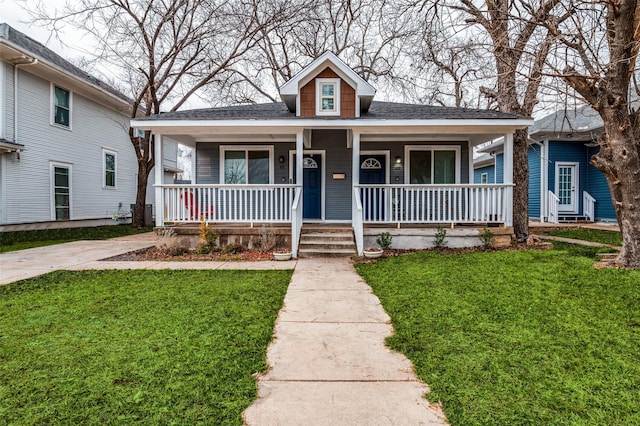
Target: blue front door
{"points": [[373, 172], [311, 186]]}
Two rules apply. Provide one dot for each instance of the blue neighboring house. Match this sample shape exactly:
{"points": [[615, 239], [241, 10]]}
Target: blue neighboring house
{"points": [[563, 186]]}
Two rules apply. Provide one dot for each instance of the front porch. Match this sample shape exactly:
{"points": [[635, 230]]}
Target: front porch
{"points": [[416, 209]]}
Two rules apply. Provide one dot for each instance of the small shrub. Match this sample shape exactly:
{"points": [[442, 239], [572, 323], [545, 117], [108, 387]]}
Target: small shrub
{"points": [[384, 240], [486, 237], [440, 238], [233, 249], [177, 250], [208, 239]]}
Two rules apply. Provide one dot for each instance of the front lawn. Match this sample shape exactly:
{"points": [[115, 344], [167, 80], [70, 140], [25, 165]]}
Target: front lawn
{"points": [[517, 337], [143, 347], [20, 240], [595, 235]]}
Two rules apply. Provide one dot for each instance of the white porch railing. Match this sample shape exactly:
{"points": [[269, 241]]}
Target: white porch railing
{"points": [[228, 203], [435, 203], [358, 231], [296, 223], [588, 206], [553, 203]]}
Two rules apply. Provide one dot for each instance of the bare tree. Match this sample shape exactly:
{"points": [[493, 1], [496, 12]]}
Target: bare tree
{"points": [[166, 52], [598, 59], [367, 34], [519, 45]]}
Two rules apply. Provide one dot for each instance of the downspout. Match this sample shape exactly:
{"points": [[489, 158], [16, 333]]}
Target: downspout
{"points": [[17, 63]]}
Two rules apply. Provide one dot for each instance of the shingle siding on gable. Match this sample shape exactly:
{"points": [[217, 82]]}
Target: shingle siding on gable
{"points": [[308, 96]]}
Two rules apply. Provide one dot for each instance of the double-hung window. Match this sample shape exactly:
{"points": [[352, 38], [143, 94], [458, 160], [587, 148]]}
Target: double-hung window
{"points": [[60, 191], [109, 162], [484, 178], [328, 96], [61, 107], [432, 164], [246, 165]]}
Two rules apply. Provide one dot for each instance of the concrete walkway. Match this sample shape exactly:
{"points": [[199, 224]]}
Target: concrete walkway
{"points": [[84, 255], [329, 363]]}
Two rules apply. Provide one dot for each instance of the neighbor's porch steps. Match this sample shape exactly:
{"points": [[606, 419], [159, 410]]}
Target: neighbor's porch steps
{"points": [[573, 218], [326, 241]]}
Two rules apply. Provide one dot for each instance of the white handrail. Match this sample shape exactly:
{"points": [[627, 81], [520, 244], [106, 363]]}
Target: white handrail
{"points": [[296, 222], [554, 202], [459, 203], [588, 206], [357, 221]]}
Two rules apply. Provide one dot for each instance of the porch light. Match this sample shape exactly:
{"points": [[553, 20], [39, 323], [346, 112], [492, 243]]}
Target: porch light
{"points": [[281, 159], [398, 160]]}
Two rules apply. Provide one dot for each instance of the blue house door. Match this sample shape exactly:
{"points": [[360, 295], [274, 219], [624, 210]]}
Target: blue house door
{"points": [[311, 185], [373, 172]]}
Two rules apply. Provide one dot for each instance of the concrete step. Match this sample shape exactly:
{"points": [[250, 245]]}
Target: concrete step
{"points": [[322, 246], [328, 236], [325, 252]]}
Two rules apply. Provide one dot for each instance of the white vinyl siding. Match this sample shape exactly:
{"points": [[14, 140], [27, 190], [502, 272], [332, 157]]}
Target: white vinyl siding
{"points": [[28, 179]]}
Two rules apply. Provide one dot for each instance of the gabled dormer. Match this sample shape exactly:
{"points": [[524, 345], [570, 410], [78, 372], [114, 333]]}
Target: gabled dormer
{"points": [[327, 87]]}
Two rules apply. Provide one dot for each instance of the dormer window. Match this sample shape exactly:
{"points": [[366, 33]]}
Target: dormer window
{"points": [[328, 96]]}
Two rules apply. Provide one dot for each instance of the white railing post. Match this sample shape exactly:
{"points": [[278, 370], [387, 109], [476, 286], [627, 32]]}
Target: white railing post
{"points": [[589, 206], [553, 203], [296, 220]]}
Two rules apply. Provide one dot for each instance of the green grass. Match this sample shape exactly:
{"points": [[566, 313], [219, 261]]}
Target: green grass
{"points": [[517, 337], [594, 235], [20, 240], [143, 347]]}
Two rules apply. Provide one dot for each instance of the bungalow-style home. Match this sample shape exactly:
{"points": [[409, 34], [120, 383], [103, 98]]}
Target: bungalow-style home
{"points": [[65, 155], [563, 186], [328, 155]]}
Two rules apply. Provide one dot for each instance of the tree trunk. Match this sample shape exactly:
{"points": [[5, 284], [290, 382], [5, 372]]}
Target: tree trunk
{"points": [[141, 195], [619, 161], [521, 189]]}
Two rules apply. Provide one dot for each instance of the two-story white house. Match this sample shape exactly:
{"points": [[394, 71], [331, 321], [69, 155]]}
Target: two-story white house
{"points": [[65, 154]]}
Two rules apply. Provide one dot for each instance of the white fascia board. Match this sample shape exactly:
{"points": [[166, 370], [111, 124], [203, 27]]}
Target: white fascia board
{"points": [[363, 88], [364, 126], [43, 63]]}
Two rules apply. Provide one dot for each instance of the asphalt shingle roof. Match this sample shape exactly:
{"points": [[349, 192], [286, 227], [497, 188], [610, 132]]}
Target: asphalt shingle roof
{"points": [[44, 53], [378, 111]]}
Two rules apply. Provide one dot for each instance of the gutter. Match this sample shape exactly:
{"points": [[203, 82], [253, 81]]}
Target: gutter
{"points": [[17, 63]]}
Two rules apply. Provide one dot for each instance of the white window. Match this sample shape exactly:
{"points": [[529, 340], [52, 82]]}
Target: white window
{"points": [[109, 164], [484, 178], [432, 164], [328, 96], [246, 164], [61, 107], [60, 191]]}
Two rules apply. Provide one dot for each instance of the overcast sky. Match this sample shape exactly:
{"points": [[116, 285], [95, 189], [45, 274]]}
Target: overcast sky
{"points": [[12, 12]]}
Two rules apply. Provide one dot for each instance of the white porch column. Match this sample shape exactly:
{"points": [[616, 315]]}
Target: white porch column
{"points": [[299, 154], [296, 213], [508, 176], [356, 214], [159, 172]]}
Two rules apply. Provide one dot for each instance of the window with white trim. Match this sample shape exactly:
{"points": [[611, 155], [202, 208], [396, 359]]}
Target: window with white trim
{"points": [[328, 96], [432, 164], [246, 165], [60, 191], [109, 163], [61, 107], [484, 178]]}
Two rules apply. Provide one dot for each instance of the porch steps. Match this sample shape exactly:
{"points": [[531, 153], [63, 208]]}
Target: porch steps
{"points": [[326, 241], [573, 219]]}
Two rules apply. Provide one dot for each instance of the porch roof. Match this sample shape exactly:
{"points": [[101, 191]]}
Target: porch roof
{"points": [[378, 111]]}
